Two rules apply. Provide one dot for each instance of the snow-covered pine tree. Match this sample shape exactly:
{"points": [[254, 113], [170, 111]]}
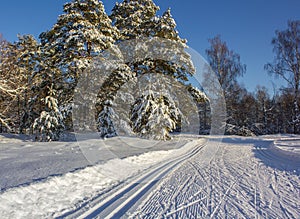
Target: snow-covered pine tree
{"points": [[47, 87], [105, 121], [137, 19], [131, 17], [164, 118], [81, 33], [141, 110], [154, 116], [107, 95], [49, 125], [28, 56]]}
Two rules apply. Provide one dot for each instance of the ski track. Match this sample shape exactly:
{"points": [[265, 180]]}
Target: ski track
{"points": [[235, 184], [208, 179], [125, 196]]}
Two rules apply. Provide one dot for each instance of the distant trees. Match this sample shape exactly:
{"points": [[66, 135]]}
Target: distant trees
{"points": [[286, 64], [228, 67], [258, 112]]}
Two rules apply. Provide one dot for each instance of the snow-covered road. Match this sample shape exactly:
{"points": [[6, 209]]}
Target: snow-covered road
{"points": [[235, 178]]}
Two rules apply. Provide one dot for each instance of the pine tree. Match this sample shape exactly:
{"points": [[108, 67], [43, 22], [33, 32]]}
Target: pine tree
{"points": [[81, 33], [49, 125], [106, 96], [28, 57], [131, 17], [154, 116], [137, 20], [105, 124]]}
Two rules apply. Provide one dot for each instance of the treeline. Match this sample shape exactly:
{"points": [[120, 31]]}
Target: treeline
{"points": [[38, 77], [258, 112]]}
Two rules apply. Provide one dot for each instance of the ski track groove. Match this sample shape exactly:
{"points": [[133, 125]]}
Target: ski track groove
{"points": [[232, 188], [175, 194], [138, 189], [234, 184], [235, 177]]}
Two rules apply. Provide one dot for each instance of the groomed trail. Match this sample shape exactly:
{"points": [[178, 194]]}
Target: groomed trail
{"points": [[245, 179], [119, 200], [238, 178], [206, 177]]}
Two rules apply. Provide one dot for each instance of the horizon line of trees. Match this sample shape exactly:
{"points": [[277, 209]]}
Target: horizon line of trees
{"points": [[257, 113], [38, 79]]}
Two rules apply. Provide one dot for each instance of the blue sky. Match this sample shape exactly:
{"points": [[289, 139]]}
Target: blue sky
{"points": [[247, 26]]}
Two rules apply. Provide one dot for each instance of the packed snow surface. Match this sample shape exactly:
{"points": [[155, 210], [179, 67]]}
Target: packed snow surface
{"points": [[232, 177]]}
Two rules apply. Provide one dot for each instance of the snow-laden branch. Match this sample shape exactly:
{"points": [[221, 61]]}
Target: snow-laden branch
{"points": [[10, 92], [4, 122]]}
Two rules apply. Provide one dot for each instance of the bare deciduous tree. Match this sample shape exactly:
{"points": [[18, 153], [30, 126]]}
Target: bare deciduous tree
{"points": [[286, 62]]}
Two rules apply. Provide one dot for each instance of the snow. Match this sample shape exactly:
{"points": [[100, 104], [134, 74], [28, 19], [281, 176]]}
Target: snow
{"points": [[57, 194], [236, 177], [289, 145]]}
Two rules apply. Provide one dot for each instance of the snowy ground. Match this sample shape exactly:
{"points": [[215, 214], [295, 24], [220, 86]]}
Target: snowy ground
{"points": [[187, 178]]}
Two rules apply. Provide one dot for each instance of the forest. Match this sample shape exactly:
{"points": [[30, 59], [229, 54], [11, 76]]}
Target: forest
{"points": [[39, 77]]}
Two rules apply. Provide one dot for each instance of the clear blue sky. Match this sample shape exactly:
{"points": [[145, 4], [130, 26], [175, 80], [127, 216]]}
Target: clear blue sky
{"points": [[247, 26]]}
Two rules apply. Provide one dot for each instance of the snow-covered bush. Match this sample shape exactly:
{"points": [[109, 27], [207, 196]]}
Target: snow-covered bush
{"points": [[236, 130]]}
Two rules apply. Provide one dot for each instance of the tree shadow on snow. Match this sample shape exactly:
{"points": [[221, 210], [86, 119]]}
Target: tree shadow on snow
{"points": [[276, 158], [265, 151]]}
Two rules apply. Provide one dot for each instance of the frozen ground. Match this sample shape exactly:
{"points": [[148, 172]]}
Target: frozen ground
{"points": [[189, 178]]}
